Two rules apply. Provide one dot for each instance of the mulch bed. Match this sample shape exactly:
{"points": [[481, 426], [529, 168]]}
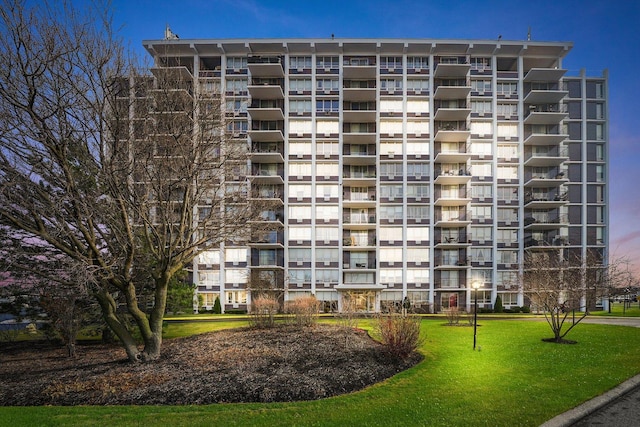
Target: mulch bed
{"points": [[240, 365]]}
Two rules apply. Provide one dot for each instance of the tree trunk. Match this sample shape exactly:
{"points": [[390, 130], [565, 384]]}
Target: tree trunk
{"points": [[108, 307]]}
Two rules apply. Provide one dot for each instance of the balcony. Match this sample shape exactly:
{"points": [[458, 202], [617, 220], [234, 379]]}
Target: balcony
{"points": [[452, 67], [265, 66], [359, 67], [554, 156], [452, 152], [548, 179], [357, 243], [451, 263], [545, 114], [545, 222], [359, 221], [452, 219], [267, 175], [452, 198], [266, 88], [551, 200], [457, 175], [267, 152], [545, 242], [455, 131]]}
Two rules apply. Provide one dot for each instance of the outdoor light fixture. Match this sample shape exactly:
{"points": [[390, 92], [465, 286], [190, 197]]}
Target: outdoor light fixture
{"points": [[475, 285]]}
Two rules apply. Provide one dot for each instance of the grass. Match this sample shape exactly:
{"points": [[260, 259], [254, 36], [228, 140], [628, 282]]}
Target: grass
{"points": [[514, 380], [618, 311]]}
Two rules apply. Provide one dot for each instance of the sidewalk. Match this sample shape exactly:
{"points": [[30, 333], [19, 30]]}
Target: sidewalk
{"points": [[618, 407]]}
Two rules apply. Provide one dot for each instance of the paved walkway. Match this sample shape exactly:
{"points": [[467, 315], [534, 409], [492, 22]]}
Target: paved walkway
{"points": [[619, 407]]}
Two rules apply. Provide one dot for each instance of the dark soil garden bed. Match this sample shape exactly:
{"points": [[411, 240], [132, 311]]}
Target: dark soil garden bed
{"points": [[240, 365]]}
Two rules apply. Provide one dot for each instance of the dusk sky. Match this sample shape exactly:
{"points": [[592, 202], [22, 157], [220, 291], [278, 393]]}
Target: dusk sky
{"points": [[604, 33]]}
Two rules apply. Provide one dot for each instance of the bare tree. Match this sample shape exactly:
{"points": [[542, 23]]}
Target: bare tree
{"points": [[565, 286], [122, 172]]}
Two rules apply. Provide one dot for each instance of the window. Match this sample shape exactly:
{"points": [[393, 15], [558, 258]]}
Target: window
{"points": [[391, 212], [299, 169], [507, 214], [391, 234], [481, 107], [327, 148], [415, 275], [418, 148], [481, 85], [327, 62], [235, 275], [390, 106], [481, 212], [327, 105], [236, 62], [418, 191], [327, 275], [391, 169], [327, 127], [327, 255], [359, 277], [508, 257], [507, 110], [482, 233], [509, 298], [481, 169], [390, 275], [508, 151], [327, 212], [327, 233], [417, 170], [297, 212], [327, 169], [391, 84], [391, 147], [507, 278], [481, 128], [480, 254], [208, 278], [390, 62], [299, 233], [418, 85], [209, 257], [299, 62], [236, 297], [327, 84], [299, 190], [418, 62], [391, 191], [507, 88], [236, 85], [507, 130], [300, 105], [480, 64], [417, 106], [391, 127], [418, 127], [481, 275], [235, 255], [391, 255], [418, 212], [507, 237], [482, 191], [299, 255], [299, 147], [600, 176], [507, 193], [418, 255], [481, 148], [299, 276], [236, 105], [300, 85], [418, 234], [300, 126], [507, 172], [326, 190]]}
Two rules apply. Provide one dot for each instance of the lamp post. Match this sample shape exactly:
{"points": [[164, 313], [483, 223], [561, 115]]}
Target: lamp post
{"points": [[475, 285]]}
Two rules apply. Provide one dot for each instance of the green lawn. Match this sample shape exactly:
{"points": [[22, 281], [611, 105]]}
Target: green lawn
{"points": [[618, 311], [514, 380]]}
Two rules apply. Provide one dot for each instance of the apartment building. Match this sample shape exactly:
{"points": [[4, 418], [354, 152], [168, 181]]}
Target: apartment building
{"points": [[414, 168]]}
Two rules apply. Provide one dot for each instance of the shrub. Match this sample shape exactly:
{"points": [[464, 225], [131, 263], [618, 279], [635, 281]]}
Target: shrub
{"points": [[453, 315], [400, 333], [515, 309], [263, 312], [526, 309], [304, 310], [217, 308], [497, 307]]}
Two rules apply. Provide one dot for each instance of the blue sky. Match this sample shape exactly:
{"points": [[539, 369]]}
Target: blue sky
{"points": [[604, 33]]}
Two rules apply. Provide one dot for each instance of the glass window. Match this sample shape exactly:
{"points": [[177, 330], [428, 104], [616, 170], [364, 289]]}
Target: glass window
{"points": [[327, 212], [300, 85], [418, 212], [418, 85], [390, 275], [481, 212], [327, 105], [236, 297], [418, 254], [391, 62], [235, 275], [417, 169], [299, 255], [327, 62], [327, 255], [236, 62], [418, 234], [390, 254], [481, 85], [419, 62], [481, 107], [391, 233], [300, 105], [299, 62], [327, 275], [481, 233], [299, 233], [415, 275], [414, 190]]}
